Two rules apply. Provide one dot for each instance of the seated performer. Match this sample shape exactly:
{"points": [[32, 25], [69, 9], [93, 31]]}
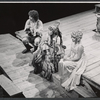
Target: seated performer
{"points": [[54, 33], [74, 64], [33, 29], [41, 61], [38, 57], [47, 64], [46, 57], [55, 40]]}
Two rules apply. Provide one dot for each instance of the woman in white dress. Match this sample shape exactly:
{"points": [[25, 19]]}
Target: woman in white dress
{"points": [[72, 66]]}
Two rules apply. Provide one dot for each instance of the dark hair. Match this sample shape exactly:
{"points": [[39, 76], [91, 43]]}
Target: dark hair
{"points": [[34, 14]]}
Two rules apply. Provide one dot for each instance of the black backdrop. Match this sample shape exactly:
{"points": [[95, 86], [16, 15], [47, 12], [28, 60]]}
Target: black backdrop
{"points": [[14, 15]]}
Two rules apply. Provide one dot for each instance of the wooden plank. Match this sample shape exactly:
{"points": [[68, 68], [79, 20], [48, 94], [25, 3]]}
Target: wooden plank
{"points": [[93, 49], [43, 85], [3, 72], [6, 60], [18, 75], [35, 79], [25, 84], [91, 67], [94, 84], [20, 34], [83, 92], [31, 93], [9, 86], [94, 60], [74, 17], [79, 25], [12, 68], [7, 37], [78, 18], [96, 78], [93, 72], [20, 80], [20, 70]]}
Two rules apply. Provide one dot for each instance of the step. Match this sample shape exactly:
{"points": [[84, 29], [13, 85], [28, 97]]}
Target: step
{"points": [[57, 81], [3, 72], [83, 92], [20, 34], [9, 87], [80, 91]]}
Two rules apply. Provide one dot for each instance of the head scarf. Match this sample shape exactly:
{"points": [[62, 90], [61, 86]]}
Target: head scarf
{"points": [[55, 26]]}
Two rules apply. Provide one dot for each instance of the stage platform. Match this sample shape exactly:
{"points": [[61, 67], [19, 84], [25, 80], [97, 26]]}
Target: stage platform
{"points": [[15, 65]]}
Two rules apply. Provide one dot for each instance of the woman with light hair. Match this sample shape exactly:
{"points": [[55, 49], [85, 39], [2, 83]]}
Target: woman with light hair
{"points": [[74, 64]]}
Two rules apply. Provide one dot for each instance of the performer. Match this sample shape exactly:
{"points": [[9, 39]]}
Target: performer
{"points": [[41, 61], [55, 40], [46, 57], [74, 64], [54, 34], [33, 29], [38, 57]]}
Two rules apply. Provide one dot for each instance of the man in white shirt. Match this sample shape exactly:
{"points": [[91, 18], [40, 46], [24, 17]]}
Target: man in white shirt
{"points": [[33, 29]]}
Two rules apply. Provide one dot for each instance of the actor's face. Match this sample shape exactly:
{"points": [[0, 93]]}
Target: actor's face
{"points": [[50, 32], [32, 19]]}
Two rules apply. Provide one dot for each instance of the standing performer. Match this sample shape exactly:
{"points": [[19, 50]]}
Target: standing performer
{"points": [[74, 64], [33, 28]]}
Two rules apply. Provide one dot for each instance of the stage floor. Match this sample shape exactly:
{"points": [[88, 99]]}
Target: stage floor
{"points": [[16, 64]]}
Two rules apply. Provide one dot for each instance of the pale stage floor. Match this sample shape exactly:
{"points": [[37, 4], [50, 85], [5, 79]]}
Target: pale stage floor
{"points": [[16, 65]]}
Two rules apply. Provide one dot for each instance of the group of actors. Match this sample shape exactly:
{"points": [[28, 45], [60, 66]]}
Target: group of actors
{"points": [[49, 56]]}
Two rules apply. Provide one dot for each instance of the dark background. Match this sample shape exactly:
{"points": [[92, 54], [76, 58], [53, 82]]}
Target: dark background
{"points": [[14, 15]]}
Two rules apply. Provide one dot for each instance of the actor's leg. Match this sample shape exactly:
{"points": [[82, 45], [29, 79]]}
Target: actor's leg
{"points": [[25, 42]]}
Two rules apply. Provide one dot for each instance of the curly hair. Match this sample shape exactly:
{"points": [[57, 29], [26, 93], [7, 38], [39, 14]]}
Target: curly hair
{"points": [[34, 14], [77, 34]]}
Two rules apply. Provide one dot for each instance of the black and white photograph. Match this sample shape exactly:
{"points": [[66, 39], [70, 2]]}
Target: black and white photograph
{"points": [[49, 49]]}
